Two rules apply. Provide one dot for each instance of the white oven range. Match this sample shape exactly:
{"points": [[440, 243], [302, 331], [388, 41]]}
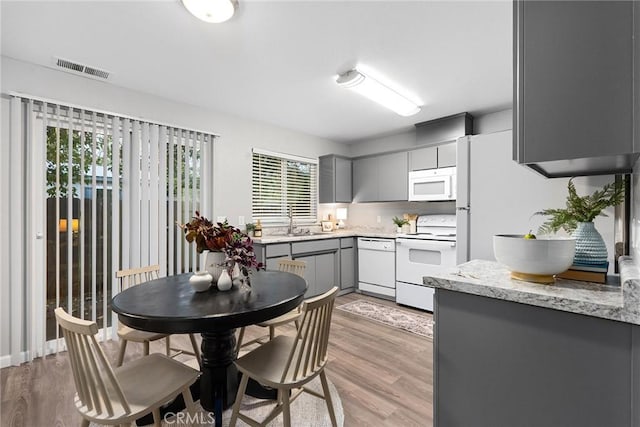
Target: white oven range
{"points": [[418, 255]]}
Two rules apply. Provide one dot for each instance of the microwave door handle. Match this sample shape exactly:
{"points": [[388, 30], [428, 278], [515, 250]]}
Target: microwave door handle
{"points": [[447, 186]]}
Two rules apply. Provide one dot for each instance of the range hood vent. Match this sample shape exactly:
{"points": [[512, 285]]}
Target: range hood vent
{"points": [[82, 69], [444, 129]]}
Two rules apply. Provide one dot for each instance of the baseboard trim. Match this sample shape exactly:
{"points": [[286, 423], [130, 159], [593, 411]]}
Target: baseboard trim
{"points": [[5, 361]]}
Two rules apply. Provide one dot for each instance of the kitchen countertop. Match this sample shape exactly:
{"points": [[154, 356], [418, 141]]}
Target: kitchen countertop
{"points": [[491, 279], [328, 235]]}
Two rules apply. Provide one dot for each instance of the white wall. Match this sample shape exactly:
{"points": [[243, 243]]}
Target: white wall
{"points": [[505, 195], [232, 189], [396, 141]]}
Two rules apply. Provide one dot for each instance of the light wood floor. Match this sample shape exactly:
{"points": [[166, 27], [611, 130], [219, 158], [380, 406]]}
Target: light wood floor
{"points": [[384, 377]]}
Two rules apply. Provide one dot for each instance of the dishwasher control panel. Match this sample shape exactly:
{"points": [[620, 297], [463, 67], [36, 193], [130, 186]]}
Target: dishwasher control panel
{"points": [[377, 244]]}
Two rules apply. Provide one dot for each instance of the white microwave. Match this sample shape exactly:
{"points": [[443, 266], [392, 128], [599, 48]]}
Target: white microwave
{"points": [[432, 184]]}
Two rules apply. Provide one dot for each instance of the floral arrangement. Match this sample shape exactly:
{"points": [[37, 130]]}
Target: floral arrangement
{"points": [[581, 208], [222, 237]]}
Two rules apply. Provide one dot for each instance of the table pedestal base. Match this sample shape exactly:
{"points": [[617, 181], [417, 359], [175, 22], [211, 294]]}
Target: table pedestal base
{"points": [[218, 385], [219, 380]]}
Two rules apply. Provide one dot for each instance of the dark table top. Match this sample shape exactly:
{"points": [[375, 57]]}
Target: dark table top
{"points": [[170, 305]]}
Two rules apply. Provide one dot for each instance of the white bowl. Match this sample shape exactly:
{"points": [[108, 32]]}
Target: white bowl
{"points": [[543, 256]]}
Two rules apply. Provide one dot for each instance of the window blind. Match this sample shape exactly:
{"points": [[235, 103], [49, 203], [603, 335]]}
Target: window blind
{"points": [[96, 192], [281, 182]]}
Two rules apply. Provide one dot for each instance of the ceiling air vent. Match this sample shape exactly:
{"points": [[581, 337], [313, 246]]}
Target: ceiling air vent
{"points": [[85, 70]]}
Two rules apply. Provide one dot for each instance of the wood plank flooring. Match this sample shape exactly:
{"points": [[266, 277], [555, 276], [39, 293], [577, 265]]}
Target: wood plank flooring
{"points": [[384, 376]]}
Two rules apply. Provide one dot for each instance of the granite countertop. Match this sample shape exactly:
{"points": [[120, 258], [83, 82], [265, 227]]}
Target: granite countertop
{"points": [[491, 279], [328, 235]]}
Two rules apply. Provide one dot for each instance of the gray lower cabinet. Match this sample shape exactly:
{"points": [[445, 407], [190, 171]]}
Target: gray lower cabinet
{"points": [[323, 264], [329, 262], [501, 363], [327, 272], [309, 274], [347, 264], [574, 92], [321, 272], [347, 268], [270, 254], [272, 263]]}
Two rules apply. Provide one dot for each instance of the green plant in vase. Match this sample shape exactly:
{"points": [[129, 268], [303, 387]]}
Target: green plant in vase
{"points": [[250, 227], [577, 219], [399, 222]]}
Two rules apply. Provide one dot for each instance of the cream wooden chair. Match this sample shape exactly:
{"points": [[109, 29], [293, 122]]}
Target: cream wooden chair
{"points": [[132, 277], [289, 266], [287, 362], [119, 396]]}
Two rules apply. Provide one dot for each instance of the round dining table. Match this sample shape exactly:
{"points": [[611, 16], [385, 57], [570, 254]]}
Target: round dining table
{"points": [[170, 305]]}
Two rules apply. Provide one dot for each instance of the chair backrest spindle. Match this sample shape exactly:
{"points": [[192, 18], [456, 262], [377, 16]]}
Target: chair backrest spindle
{"points": [[97, 387], [309, 351], [135, 276], [292, 266]]}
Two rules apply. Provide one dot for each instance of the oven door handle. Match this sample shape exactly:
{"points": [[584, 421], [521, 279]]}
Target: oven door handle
{"points": [[421, 244]]}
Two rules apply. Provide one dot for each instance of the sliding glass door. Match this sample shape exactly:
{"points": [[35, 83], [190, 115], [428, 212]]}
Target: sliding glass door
{"points": [[103, 193]]}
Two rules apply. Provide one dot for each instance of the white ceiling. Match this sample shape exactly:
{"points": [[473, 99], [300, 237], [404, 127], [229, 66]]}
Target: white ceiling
{"points": [[276, 61]]}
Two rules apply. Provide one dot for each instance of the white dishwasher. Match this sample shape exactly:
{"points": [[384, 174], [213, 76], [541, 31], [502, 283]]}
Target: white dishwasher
{"points": [[377, 266]]}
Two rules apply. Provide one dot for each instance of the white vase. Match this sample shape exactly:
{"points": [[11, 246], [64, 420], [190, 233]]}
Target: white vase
{"points": [[224, 281], [200, 281], [213, 263], [236, 276]]}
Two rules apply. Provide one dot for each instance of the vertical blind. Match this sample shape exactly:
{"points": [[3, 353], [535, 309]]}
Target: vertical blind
{"points": [[104, 192], [282, 182]]}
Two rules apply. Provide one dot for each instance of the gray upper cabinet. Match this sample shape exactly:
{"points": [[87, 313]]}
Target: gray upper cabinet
{"points": [[447, 155], [573, 81], [423, 158], [335, 179], [440, 156], [393, 177], [365, 180], [381, 178]]}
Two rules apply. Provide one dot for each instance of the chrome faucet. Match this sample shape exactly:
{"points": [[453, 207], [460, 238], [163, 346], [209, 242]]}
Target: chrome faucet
{"points": [[290, 219]]}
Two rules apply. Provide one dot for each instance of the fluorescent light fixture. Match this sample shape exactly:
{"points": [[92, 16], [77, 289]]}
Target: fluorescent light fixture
{"points": [[377, 92], [214, 11]]}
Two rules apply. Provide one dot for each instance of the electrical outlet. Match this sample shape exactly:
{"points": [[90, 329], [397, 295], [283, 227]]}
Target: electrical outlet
{"points": [[379, 219], [241, 220]]}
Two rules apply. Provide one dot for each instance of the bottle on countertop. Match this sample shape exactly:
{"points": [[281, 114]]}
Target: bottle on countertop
{"points": [[257, 231]]}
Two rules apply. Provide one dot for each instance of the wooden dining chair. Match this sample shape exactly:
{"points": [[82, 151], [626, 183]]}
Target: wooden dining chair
{"points": [[120, 396], [289, 266], [132, 277], [286, 363]]}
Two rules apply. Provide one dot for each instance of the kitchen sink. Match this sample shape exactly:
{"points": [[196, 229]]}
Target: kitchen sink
{"points": [[302, 233]]}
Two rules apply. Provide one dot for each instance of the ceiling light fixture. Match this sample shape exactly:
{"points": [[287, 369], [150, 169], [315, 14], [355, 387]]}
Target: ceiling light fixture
{"points": [[368, 87], [214, 11]]}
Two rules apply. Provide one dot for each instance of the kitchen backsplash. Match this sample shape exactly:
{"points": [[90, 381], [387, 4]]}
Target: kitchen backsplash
{"points": [[378, 216]]}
